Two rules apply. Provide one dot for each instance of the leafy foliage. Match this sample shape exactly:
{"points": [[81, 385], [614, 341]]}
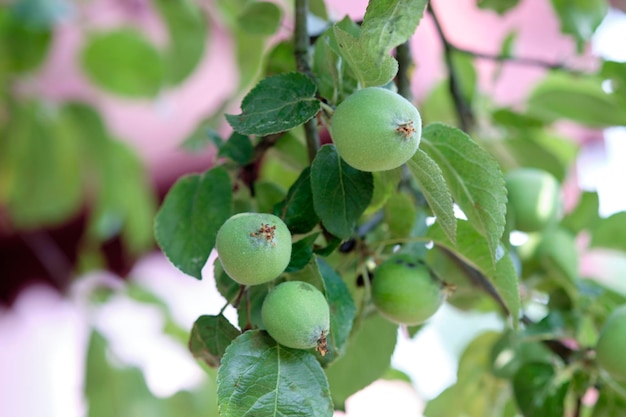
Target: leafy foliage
{"points": [[447, 205]]}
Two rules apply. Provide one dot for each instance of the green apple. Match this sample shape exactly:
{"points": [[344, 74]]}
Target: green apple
{"points": [[253, 248], [296, 315], [375, 129], [533, 198], [406, 291]]}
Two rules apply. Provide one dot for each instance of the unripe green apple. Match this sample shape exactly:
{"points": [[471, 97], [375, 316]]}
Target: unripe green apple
{"points": [[296, 315], [375, 129], [405, 290], [611, 345], [253, 248], [534, 198]]}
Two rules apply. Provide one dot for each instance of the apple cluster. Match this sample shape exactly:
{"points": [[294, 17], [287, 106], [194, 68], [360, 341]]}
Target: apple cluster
{"points": [[255, 248]]}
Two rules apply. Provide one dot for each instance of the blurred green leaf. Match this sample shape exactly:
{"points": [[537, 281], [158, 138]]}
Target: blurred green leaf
{"points": [[40, 167], [366, 358], [260, 18], [538, 392], [477, 392], [340, 193], [124, 62], [276, 104], [260, 377], [188, 34], [577, 98], [192, 213], [473, 249], [609, 232], [238, 147], [124, 202], [580, 18], [23, 47], [123, 391], [585, 214], [498, 6]]}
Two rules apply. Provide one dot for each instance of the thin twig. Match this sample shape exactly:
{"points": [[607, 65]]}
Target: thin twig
{"points": [[463, 109], [301, 52], [533, 62], [405, 67]]}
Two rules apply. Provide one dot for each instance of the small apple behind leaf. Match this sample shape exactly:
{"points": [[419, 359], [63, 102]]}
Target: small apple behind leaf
{"points": [[406, 291], [375, 129], [533, 199]]}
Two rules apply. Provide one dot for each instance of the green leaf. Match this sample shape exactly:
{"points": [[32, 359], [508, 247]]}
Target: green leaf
{"points": [[267, 195], [249, 309], [609, 232], [188, 35], [125, 204], [498, 6], [260, 18], [473, 249], [615, 72], [276, 104], [22, 47], [585, 214], [260, 377], [110, 390], [224, 284], [124, 62], [297, 209], [477, 392], [538, 392], [580, 18], [340, 193], [201, 138], [510, 352], [335, 79], [610, 403], [301, 253], [40, 167], [192, 213], [474, 179], [528, 151], [122, 391], [580, 99], [210, 336], [358, 55], [387, 24], [433, 185], [366, 358], [238, 148], [342, 310]]}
